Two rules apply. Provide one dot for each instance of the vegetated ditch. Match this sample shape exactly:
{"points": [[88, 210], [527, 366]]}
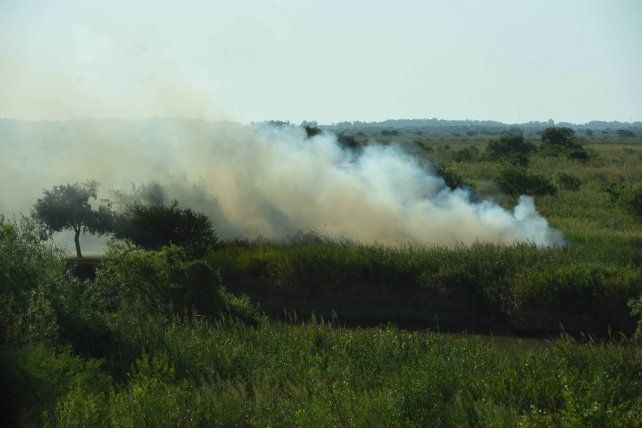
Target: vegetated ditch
{"points": [[453, 317]]}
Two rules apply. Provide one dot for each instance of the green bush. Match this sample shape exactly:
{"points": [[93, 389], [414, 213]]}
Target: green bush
{"points": [[35, 377], [567, 181], [516, 181], [511, 148], [136, 283], [450, 175], [563, 141], [466, 154], [32, 278], [153, 226]]}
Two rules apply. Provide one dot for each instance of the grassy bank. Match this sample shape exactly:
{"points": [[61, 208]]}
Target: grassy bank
{"points": [[518, 289]]}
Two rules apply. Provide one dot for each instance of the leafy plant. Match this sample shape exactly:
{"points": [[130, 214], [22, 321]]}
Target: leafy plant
{"points": [[153, 226], [511, 148], [516, 181]]}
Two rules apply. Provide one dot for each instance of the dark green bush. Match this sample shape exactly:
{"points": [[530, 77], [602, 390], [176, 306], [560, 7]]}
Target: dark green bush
{"points": [[516, 181], [153, 226], [563, 141], [511, 148], [32, 278], [35, 377], [136, 283]]}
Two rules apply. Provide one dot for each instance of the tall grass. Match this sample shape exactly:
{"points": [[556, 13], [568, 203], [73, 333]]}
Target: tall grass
{"points": [[313, 374]]}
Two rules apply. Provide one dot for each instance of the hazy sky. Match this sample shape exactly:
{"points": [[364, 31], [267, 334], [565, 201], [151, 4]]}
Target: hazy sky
{"points": [[322, 60]]}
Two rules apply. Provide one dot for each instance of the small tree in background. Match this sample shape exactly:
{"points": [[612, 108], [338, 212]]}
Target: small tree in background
{"points": [[561, 137], [67, 207], [556, 141]]}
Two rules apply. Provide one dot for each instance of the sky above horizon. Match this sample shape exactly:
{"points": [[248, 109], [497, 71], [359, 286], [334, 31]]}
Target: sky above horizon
{"points": [[328, 61]]}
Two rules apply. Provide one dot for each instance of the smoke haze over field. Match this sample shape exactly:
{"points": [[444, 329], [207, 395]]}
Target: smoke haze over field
{"points": [[261, 181]]}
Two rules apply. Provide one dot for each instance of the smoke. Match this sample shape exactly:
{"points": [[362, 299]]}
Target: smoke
{"points": [[257, 181]]}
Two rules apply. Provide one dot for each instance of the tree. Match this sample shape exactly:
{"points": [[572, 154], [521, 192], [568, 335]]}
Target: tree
{"points": [[311, 131], [154, 226], [557, 140], [563, 137], [67, 207]]}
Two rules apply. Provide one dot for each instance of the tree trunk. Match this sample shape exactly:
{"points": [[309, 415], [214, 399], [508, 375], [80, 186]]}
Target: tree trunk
{"points": [[77, 242]]}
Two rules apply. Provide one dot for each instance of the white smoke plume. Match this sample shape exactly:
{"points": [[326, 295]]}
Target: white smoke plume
{"points": [[261, 181]]}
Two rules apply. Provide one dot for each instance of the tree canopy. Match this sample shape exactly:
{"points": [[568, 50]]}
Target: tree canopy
{"points": [[67, 206]]}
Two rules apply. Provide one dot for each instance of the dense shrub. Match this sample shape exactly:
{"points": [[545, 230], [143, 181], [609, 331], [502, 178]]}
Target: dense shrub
{"points": [[451, 177], [511, 148], [563, 141], [567, 181], [32, 277], [34, 377], [153, 226], [135, 283], [517, 181]]}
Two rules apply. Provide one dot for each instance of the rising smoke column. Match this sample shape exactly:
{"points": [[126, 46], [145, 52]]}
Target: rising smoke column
{"points": [[291, 183], [264, 181]]}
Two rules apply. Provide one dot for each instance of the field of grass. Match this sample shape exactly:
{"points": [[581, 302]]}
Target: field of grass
{"points": [[157, 338]]}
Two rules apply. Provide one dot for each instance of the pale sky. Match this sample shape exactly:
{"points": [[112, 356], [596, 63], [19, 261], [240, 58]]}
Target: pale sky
{"points": [[328, 61]]}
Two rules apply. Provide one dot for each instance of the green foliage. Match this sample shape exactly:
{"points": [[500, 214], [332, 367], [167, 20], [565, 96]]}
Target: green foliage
{"points": [[35, 377], [156, 340], [450, 175], [31, 273], [556, 136], [567, 181], [315, 375], [467, 154], [153, 226], [515, 181], [163, 282], [485, 283], [67, 207], [631, 200], [511, 148], [563, 141]]}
